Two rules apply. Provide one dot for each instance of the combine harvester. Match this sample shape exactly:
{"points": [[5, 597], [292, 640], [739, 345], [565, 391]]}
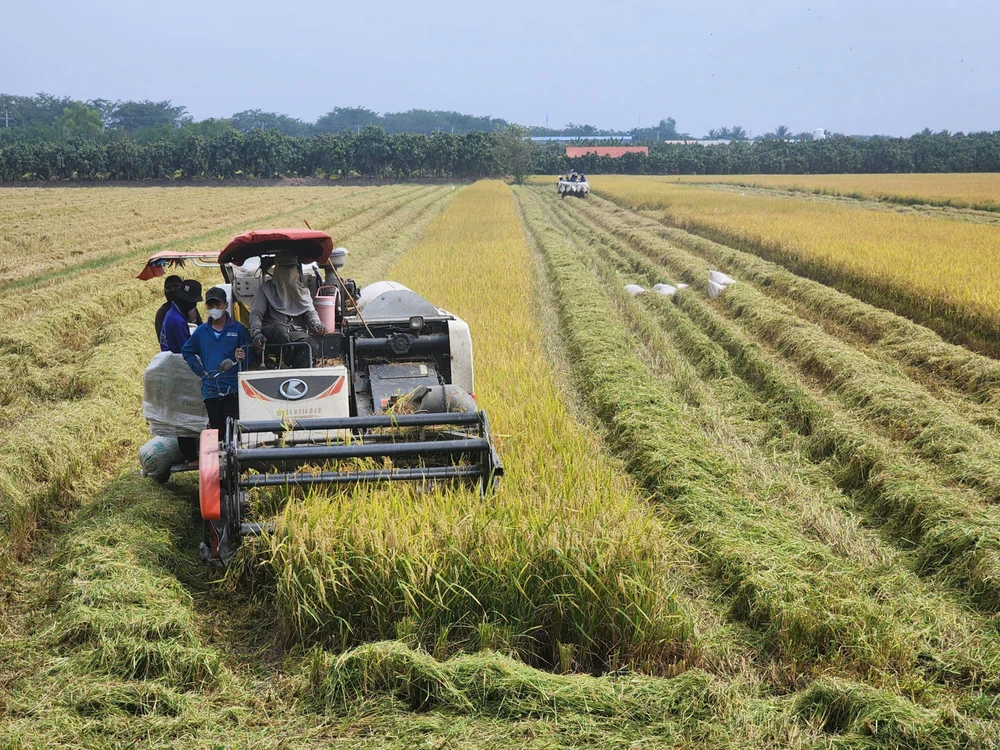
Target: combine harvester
{"points": [[389, 396], [573, 184]]}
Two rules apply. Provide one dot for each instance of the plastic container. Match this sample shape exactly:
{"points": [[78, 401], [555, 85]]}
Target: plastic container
{"points": [[338, 257], [326, 307]]}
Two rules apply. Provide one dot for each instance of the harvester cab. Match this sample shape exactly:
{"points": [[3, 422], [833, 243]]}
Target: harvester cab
{"points": [[388, 394]]}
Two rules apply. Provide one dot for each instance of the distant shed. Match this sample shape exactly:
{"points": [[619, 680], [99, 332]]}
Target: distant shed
{"points": [[614, 152]]}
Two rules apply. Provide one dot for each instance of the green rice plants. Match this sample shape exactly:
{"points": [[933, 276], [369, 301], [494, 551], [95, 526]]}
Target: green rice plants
{"points": [[566, 560]]}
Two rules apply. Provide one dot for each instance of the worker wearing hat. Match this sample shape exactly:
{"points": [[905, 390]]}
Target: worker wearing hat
{"points": [[174, 331], [216, 352], [170, 286], [283, 311]]}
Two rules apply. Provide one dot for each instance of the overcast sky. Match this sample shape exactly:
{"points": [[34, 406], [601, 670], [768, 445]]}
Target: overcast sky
{"points": [[872, 66]]}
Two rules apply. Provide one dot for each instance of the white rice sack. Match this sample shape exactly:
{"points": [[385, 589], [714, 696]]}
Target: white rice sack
{"points": [[665, 289], [720, 278], [714, 290], [634, 289], [682, 286], [171, 397]]}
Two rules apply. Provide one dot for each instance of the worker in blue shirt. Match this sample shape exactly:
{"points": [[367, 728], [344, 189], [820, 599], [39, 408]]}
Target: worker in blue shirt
{"points": [[212, 343], [175, 331]]}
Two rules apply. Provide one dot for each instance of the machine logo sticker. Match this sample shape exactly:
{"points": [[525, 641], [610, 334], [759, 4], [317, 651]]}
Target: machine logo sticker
{"points": [[293, 389]]}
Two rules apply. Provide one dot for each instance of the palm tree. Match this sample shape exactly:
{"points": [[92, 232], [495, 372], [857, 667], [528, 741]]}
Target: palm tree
{"points": [[737, 133], [782, 132]]}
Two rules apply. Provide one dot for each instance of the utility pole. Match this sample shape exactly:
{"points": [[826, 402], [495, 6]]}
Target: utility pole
{"points": [[6, 118]]}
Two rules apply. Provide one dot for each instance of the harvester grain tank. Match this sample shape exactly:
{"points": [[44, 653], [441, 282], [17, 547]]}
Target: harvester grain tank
{"points": [[389, 395]]}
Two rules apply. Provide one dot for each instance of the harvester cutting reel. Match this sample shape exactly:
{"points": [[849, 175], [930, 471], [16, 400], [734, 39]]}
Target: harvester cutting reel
{"points": [[428, 448]]}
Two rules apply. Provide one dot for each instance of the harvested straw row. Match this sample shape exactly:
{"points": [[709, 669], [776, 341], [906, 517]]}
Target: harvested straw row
{"points": [[951, 533], [36, 370], [705, 355], [903, 263], [893, 337], [902, 409], [975, 191], [73, 444], [803, 596]]}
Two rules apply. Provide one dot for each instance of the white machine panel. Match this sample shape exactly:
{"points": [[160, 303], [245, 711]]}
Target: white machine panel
{"points": [[460, 343], [306, 393]]}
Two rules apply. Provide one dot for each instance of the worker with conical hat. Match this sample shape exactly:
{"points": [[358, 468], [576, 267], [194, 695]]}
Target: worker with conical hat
{"points": [[283, 312]]}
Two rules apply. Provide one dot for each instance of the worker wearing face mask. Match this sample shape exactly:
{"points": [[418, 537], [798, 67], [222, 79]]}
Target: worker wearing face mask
{"points": [[216, 352], [283, 312]]}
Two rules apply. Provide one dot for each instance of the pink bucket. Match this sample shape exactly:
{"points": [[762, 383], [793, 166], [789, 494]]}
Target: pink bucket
{"points": [[326, 307]]}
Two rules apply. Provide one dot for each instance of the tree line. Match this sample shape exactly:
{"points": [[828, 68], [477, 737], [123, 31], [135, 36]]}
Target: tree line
{"points": [[229, 153], [46, 117], [57, 138]]}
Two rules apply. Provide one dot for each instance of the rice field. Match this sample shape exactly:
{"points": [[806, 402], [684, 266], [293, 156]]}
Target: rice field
{"points": [[763, 520], [980, 191], [936, 271]]}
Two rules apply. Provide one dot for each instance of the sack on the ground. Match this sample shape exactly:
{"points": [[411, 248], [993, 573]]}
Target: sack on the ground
{"points": [[714, 290], [634, 289], [171, 398], [158, 455], [720, 278]]}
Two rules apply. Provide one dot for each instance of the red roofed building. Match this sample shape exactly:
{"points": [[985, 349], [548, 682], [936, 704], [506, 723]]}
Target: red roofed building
{"points": [[613, 151]]}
